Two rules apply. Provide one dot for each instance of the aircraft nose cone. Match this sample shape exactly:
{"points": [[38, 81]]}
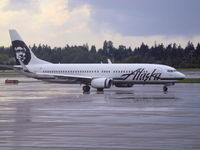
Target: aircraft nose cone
{"points": [[181, 76]]}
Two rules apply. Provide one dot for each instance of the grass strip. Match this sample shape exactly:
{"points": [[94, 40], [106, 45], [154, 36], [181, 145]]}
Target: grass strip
{"points": [[190, 81], [188, 69]]}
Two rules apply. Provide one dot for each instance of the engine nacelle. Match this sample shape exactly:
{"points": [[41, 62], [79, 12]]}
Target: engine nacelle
{"points": [[123, 85], [101, 83]]}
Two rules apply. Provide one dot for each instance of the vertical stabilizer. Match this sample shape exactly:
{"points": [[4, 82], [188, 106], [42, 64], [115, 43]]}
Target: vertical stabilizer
{"points": [[22, 52]]}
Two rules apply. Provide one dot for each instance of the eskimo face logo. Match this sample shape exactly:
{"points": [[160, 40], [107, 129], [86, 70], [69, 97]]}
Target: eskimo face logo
{"points": [[20, 53]]}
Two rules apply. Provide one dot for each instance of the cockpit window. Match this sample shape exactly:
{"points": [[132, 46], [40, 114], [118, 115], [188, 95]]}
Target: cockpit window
{"points": [[171, 70]]}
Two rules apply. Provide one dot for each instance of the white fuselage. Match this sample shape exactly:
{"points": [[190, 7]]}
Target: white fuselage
{"points": [[131, 73]]}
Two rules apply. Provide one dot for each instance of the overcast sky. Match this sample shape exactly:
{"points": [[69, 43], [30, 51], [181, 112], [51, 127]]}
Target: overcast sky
{"points": [[127, 22]]}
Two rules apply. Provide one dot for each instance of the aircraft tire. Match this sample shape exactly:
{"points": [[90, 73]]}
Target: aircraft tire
{"points": [[86, 88], [165, 89]]}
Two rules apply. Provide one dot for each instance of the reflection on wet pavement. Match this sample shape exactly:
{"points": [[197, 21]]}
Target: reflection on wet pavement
{"points": [[36, 115]]}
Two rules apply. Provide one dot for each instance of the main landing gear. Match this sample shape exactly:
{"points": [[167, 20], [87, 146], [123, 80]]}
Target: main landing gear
{"points": [[86, 88]]}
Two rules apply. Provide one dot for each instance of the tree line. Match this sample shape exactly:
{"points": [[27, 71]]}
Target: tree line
{"points": [[172, 54]]}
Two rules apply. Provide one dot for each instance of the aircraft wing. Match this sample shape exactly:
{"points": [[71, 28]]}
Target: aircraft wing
{"points": [[76, 78], [83, 79]]}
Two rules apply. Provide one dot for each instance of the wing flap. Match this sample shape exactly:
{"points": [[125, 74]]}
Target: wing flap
{"points": [[82, 79]]}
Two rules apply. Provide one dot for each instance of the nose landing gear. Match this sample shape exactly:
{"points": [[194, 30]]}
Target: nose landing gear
{"points": [[165, 88]]}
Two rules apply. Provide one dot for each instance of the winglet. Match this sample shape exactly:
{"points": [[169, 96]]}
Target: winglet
{"points": [[109, 61]]}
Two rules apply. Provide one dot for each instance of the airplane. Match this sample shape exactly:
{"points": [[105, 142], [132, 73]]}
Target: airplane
{"points": [[98, 76]]}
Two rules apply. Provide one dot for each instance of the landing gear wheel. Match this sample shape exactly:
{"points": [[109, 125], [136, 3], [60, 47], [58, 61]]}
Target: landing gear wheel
{"points": [[86, 88], [165, 89]]}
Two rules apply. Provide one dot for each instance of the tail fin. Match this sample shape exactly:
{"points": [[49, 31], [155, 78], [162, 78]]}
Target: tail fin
{"points": [[22, 52]]}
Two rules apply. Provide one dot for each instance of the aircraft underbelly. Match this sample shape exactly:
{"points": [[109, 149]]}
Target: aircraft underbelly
{"points": [[145, 82]]}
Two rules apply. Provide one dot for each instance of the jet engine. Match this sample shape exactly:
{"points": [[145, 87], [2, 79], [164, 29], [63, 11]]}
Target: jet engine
{"points": [[101, 83]]}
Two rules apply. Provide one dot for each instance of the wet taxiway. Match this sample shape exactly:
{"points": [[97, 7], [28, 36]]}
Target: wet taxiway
{"points": [[36, 115]]}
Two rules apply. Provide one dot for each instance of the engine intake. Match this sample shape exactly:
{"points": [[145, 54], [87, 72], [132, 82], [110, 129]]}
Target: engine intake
{"points": [[101, 83]]}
